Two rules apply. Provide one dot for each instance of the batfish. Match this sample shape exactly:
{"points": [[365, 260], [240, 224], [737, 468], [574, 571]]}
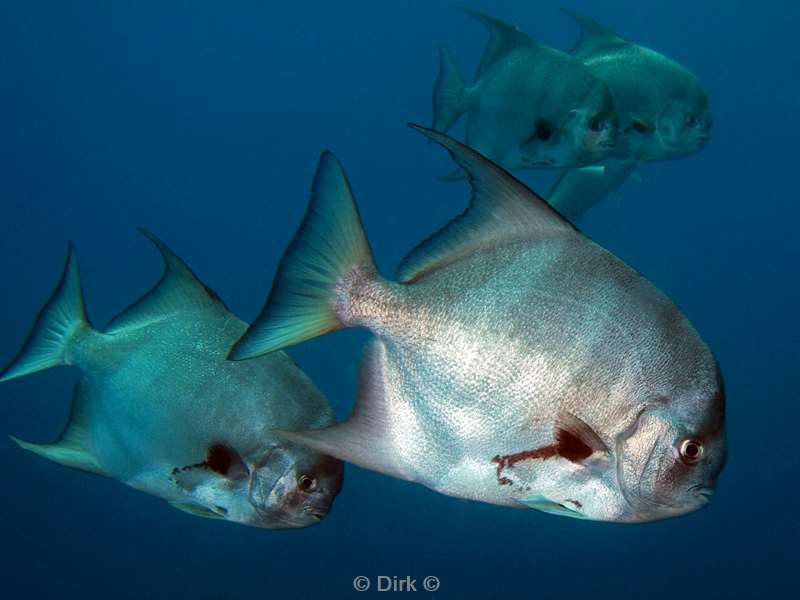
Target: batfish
{"points": [[529, 106], [514, 362], [662, 107], [158, 407]]}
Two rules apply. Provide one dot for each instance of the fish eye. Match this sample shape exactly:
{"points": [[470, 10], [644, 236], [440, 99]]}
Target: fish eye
{"points": [[307, 483], [692, 121], [691, 451], [543, 130], [595, 124], [639, 127]]}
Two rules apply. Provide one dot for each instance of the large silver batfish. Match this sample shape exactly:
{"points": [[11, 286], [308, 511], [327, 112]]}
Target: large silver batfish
{"points": [[158, 407], [662, 107], [529, 106], [516, 362]]}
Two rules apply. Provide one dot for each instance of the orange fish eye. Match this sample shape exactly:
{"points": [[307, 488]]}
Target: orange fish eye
{"points": [[691, 451], [307, 483]]}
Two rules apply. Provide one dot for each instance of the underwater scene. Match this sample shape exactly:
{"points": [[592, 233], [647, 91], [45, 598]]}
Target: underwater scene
{"points": [[330, 300]]}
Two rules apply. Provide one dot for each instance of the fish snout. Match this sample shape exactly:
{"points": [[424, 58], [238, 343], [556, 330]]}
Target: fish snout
{"points": [[703, 491], [318, 511]]}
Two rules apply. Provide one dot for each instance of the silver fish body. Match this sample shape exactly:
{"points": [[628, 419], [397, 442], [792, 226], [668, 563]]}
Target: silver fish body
{"points": [[158, 407], [529, 106], [516, 362]]}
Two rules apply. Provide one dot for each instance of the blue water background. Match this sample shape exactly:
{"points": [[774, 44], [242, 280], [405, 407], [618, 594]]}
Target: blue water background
{"points": [[203, 121]]}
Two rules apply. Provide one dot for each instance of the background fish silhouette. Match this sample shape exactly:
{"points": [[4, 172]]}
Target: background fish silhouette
{"points": [[662, 108], [529, 105]]}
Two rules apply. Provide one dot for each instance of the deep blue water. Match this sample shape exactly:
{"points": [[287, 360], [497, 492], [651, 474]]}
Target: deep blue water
{"points": [[203, 121]]}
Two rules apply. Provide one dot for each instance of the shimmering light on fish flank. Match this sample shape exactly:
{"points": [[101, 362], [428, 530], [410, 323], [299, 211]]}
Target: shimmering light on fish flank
{"points": [[554, 366], [405, 429], [466, 353], [467, 422], [473, 478]]}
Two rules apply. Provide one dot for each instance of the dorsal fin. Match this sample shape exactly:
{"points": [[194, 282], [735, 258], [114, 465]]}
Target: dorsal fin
{"points": [[594, 37], [179, 289], [503, 38], [74, 447], [502, 210]]}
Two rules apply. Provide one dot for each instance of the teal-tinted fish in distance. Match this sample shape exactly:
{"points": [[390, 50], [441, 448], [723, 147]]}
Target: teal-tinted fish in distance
{"points": [[662, 107], [159, 408], [516, 362], [529, 106]]}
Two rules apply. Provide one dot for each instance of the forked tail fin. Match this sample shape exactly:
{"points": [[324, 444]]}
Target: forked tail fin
{"points": [[59, 323], [329, 244], [449, 93]]}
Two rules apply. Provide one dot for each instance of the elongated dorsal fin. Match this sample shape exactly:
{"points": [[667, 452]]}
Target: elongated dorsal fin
{"points": [[74, 447], [594, 37], [178, 290], [503, 38], [502, 210], [365, 439]]}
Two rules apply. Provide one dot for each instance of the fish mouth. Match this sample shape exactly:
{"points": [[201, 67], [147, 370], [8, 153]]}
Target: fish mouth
{"points": [[703, 490], [316, 512]]}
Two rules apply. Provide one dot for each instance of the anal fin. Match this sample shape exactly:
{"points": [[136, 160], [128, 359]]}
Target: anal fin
{"points": [[365, 438], [74, 448]]}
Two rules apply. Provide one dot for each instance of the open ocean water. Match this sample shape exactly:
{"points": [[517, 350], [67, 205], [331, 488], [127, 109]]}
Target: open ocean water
{"points": [[202, 121]]}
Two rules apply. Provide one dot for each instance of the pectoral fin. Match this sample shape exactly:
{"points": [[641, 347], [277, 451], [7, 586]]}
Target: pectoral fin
{"points": [[546, 505], [221, 460], [196, 510], [576, 440]]}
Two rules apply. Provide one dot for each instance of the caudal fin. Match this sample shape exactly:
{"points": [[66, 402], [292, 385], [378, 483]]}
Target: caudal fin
{"points": [[61, 320], [449, 92], [329, 244]]}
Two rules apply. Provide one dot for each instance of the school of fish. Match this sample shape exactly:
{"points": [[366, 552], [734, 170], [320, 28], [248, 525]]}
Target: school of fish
{"points": [[514, 361]]}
